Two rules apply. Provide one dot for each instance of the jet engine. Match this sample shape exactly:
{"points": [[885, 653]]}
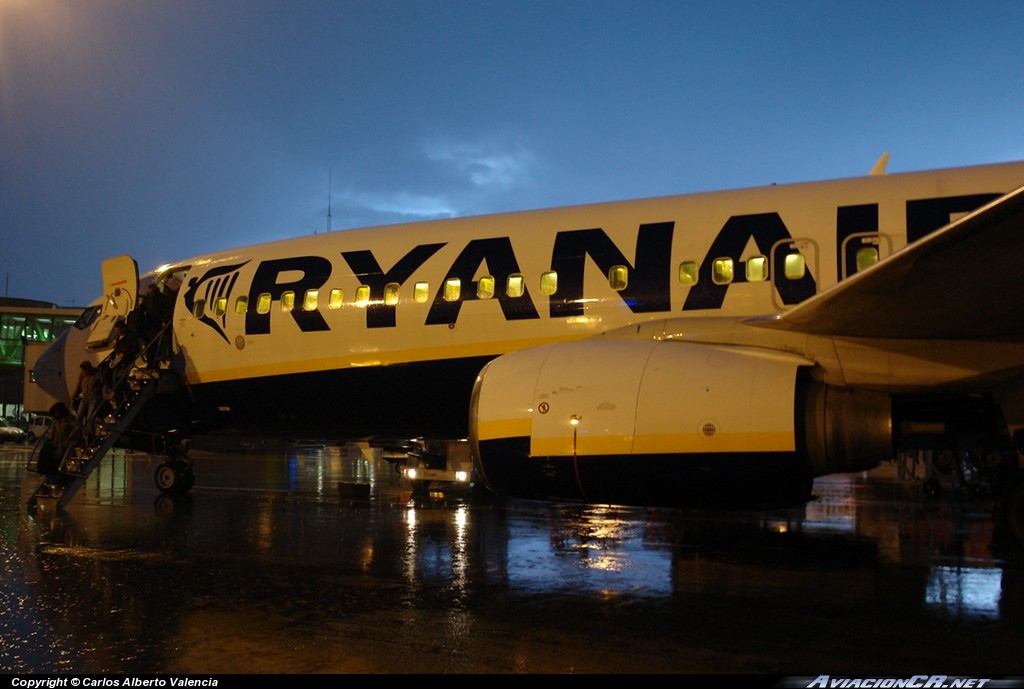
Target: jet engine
{"points": [[668, 423]]}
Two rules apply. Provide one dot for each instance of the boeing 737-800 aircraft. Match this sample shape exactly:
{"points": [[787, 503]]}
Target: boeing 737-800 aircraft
{"points": [[717, 348]]}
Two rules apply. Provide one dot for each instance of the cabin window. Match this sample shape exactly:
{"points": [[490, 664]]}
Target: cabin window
{"points": [[263, 303], [757, 269], [220, 306], [618, 278], [515, 287], [452, 289], [391, 294], [688, 273], [310, 300], [241, 305], [722, 271], [421, 292], [287, 300], [198, 308], [485, 287], [548, 283], [866, 256], [336, 298], [362, 295], [794, 266]]}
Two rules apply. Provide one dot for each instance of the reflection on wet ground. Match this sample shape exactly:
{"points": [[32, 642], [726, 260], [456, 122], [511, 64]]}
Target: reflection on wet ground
{"points": [[267, 567]]}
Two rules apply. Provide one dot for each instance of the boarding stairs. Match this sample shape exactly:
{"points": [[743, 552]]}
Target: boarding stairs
{"points": [[94, 438]]}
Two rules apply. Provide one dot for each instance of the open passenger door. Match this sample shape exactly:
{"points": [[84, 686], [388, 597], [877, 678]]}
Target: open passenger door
{"points": [[120, 292]]}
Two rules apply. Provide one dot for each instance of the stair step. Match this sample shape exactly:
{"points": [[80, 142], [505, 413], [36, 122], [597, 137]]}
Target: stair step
{"points": [[79, 463]]}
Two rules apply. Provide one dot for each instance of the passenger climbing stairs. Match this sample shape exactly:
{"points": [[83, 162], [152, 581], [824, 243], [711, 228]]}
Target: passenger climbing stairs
{"points": [[94, 438]]}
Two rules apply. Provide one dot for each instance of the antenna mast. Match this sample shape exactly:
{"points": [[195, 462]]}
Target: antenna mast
{"points": [[330, 179]]}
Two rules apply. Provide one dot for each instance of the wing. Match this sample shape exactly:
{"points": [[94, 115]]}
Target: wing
{"points": [[964, 281]]}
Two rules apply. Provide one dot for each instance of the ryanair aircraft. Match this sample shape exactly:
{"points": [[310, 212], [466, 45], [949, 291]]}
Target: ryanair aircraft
{"points": [[719, 348]]}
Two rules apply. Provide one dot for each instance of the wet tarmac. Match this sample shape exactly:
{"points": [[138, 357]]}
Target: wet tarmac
{"points": [[267, 567]]}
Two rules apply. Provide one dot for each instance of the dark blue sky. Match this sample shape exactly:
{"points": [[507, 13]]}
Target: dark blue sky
{"points": [[166, 129]]}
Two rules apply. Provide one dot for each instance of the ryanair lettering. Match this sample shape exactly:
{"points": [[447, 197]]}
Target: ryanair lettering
{"points": [[501, 261], [648, 289]]}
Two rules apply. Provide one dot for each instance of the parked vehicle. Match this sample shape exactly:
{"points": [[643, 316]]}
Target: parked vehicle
{"points": [[9, 433], [38, 426]]}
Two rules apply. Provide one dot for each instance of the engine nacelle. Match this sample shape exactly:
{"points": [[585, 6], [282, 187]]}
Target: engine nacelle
{"points": [[667, 423]]}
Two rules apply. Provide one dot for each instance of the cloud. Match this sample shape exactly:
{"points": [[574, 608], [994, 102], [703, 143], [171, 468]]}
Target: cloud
{"points": [[401, 203], [488, 164], [442, 178]]}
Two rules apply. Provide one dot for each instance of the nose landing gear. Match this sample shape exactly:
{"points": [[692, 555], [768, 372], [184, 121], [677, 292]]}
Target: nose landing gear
{"points": [[176, 474]]}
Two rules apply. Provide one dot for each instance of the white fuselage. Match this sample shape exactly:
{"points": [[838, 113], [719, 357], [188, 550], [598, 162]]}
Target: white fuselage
{"points": [[653, 240]]}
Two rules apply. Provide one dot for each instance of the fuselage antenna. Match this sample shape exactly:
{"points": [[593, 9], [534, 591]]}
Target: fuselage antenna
{"points": [[330, 178]]}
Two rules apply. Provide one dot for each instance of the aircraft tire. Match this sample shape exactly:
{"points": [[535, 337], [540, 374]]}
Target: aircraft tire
{"points": [[174, 476]]}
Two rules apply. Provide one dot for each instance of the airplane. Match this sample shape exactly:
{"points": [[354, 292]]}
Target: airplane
{"points": [[718, 348]]}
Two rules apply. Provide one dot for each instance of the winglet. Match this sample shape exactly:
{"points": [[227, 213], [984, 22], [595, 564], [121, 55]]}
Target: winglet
{"points": [[879, 168]]}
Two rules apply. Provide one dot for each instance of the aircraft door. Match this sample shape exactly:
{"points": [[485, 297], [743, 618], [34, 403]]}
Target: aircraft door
{"points": [[861, 250], [120, 295]]}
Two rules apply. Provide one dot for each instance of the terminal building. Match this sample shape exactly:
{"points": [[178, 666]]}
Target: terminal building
{"points": [[26, 327]]}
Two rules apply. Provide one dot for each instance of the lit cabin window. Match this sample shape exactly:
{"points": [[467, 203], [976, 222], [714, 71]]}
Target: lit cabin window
{"points": [[263, 303], [421, 292], [757, 269], [452, 289], [198, 308], [795, 266], [548, 283], [362, 295], [515, 287], [335, 300], [310, 300], [220, 306], [391, 294], [688, 273], [485, 287], [241, 305], [618, 278], [867, 256], [722, 271], [287, 300]]}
